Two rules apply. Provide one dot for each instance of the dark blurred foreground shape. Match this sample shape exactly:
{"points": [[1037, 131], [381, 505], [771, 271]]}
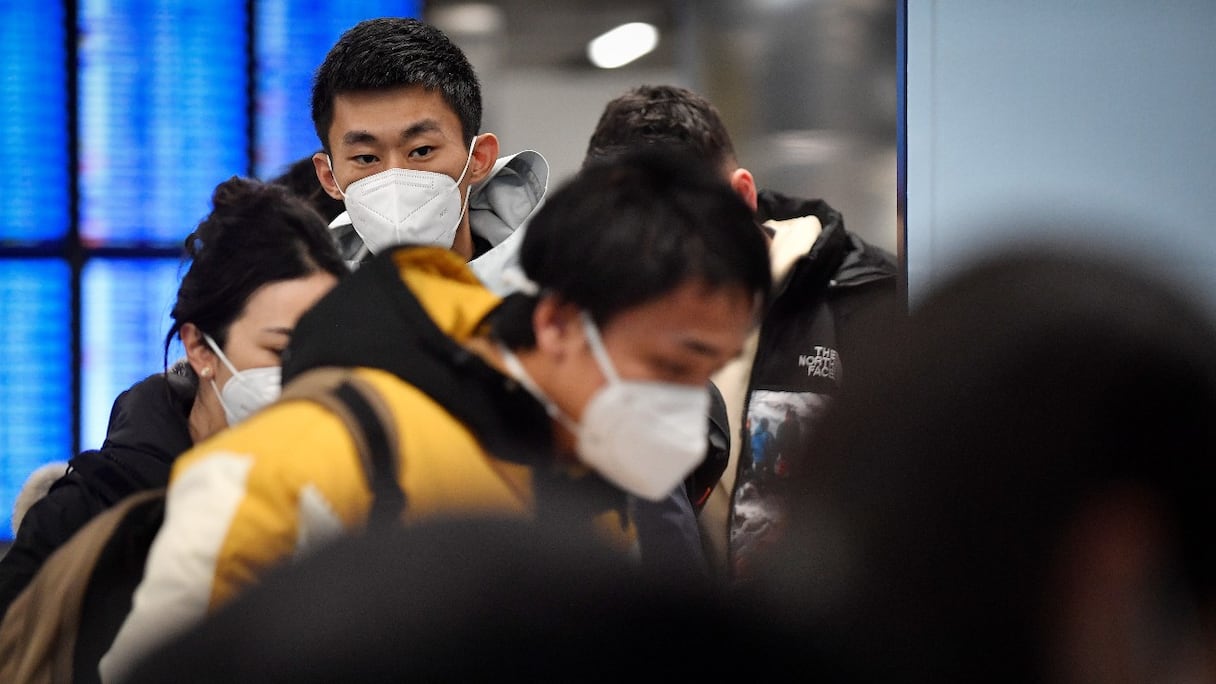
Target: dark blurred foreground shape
{"points": [[480, 600], [1040, 505]]}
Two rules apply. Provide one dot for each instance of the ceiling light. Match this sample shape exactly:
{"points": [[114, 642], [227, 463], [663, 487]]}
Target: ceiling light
{"points": [[469, 18], [622, 45]]}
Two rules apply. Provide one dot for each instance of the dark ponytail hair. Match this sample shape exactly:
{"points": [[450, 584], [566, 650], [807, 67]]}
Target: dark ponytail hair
{"points": [[256, 234]]}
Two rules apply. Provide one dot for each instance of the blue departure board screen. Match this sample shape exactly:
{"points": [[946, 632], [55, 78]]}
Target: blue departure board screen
{"points": [[36, 373], [167, 95], [125, 311], [163, 115], [33, 123], [292, 39]]}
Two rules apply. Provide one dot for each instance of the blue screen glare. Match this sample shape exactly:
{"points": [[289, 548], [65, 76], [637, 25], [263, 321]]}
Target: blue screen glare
{"points": [[162, 114], [33, 123], [125, 318], [36, 373], [293, 37]]}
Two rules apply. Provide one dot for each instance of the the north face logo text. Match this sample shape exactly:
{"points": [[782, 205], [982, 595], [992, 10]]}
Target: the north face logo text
{"points": [[824, 363]]}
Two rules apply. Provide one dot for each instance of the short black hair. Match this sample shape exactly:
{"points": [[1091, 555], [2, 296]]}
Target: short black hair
{"points": [[665, 116], [391, 52], [623, 233], [256, 233]]}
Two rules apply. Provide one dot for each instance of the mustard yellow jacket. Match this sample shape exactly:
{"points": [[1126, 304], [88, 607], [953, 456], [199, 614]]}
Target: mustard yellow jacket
{"points": [[289, 477]]}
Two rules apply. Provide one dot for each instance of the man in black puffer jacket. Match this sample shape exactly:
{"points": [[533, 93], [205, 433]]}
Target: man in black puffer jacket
{"points": [[832, 294]]}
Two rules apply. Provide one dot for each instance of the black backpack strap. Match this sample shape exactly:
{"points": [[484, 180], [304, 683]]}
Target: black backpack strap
{"points": [[377, 450], [369, 421]]}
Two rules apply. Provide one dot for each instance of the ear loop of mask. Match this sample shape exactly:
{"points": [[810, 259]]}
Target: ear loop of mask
{"points": [[228, 364], [218, 352], [601, 359], [516, 369], [598, 350], [329, 161], [464, 206]]}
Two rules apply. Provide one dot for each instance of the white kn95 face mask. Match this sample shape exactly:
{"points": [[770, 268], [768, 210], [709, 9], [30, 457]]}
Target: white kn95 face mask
{"points": [[643, 436], [400, 206], [246, 391]]}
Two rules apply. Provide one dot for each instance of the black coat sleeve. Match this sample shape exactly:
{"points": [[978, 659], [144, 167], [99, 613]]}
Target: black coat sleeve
{"points": [[668, 536], [47, 525]]}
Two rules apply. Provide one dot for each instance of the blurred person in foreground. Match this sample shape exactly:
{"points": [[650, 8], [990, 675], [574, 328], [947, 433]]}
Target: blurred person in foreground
{"points": [[646, 276], [1021, 490], [470, 600]]}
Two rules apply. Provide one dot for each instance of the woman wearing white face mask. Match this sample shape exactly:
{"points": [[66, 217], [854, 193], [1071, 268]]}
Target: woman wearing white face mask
{"points": [[257, 262]]}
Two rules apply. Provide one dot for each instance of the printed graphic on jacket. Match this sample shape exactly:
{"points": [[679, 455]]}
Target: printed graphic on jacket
{"points": [[778, 425]]}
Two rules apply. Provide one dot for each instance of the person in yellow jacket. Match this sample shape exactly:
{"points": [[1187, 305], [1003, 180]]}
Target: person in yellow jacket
{"points": [[646, 276]]}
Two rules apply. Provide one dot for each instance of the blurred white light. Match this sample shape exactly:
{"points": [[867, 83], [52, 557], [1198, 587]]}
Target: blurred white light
{"points": [[471, 18], [622, 45]]}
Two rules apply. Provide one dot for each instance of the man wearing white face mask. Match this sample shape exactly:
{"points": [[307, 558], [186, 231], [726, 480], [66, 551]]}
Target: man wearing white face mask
{"points": [[553, 403], [397, 108]]}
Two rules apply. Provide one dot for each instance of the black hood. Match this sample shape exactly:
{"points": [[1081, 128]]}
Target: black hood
{"points": [[373, 320]]}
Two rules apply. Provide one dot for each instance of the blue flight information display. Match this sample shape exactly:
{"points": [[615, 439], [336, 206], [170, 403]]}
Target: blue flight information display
{"points": [[119, 119], [36, 373], [33, 123], [163, 115], [292, 39], [125, 318]]}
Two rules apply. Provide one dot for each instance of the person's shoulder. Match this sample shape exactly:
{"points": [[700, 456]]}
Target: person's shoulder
{"points": [[863, 262], [155, 388], [149, 421], [35, 489], [172, 388], [287, 434], [874, 258]]}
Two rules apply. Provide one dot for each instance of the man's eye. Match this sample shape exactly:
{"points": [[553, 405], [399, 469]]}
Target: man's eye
{"points": [[365, 159], [671, 370], [424, 151]]}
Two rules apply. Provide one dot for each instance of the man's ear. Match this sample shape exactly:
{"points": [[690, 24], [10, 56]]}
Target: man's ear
{"points": [[198, 354], [485, 153], [744, 184], [557, 326], [325, 174]]}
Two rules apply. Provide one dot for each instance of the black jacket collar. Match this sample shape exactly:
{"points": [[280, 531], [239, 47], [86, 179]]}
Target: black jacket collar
{"points": [[373, 320]]}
